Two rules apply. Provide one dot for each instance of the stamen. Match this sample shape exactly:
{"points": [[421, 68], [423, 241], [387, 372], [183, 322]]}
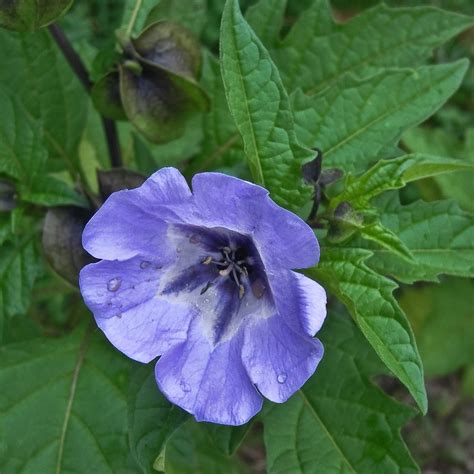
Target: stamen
{"points": [[241, 291], [227, 271], [207, 260]]}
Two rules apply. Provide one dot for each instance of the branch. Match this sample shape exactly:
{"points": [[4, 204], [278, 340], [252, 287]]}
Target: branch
{"points": [[80, 70]]}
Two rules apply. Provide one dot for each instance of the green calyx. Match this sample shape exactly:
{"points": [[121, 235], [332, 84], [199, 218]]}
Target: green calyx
{"points": [[155, 84]]}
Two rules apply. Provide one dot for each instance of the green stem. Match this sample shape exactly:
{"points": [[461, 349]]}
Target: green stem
{"points": [[80, 70], [133, 18]]}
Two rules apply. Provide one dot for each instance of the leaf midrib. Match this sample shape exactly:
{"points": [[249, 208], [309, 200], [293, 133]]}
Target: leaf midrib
{"points": [[328, 434], [83, 347], [259, 178]]}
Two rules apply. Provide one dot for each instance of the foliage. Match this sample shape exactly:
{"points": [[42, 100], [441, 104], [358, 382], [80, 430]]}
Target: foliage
{"points": [[250, 89]]}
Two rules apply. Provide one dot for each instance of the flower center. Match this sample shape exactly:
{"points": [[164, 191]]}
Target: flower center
{"points": [[233, 265]]}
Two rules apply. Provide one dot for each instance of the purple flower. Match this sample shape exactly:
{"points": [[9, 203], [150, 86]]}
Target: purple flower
{"points": [[204, 280]]}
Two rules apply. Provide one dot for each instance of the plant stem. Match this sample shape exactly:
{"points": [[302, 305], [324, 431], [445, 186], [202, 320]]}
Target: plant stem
{"points": [[133, 18], [80, 70]]}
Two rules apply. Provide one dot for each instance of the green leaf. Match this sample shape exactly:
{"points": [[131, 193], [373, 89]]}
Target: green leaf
{"points": [[394, 174], [261, 109], [441, 316], [439, 235], [266, 19], [227, 438], [344, 423], [190, 451], [33, 69], [378, 233], [317, 54], [49, 191], [443, 142], [19, 267], [27, 15], [368, 297], [71, 396], [23, 156], [151, 418], [375, 112]]}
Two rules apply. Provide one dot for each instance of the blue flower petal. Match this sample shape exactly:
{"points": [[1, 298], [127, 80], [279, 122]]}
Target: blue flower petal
{"points": [[131, 222], [208, 381], [278, 360], [280, 236]]}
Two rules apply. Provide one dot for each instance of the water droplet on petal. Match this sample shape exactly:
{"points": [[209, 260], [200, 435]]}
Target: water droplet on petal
{"points": [[281, 378], [184, 386], [195, 238], [114, 284], [119, 316], [144, 264]]}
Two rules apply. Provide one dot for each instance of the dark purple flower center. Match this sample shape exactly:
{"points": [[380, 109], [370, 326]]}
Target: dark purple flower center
{"points": [[222, 273]]}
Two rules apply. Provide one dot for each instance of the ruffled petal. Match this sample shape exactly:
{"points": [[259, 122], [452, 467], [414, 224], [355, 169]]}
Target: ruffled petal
{"points": [[111, 287], [278, 360], [208, 381], [312, 302], [132, 222], [122, 295], [148, 330], [300, 301], [280, 236]]}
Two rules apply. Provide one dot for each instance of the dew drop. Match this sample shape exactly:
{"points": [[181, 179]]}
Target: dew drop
{"points": [[184, 386], [194, 239], [144, 264], [119, 316], [281, 378], [114, 284]]}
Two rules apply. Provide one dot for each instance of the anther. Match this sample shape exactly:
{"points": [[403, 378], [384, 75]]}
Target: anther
{"points": [[226, 271], [207, 260], [241, 291]]}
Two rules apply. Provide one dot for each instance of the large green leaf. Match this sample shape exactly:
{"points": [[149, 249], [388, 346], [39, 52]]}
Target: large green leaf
{"points": [[317, 54], [439, 235], [261, 109], [339, 422], [63, 406], [23, 156], [32, 68], [151, 418], [368, 297], [353, 122], [266, 19], [394, 174]]}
